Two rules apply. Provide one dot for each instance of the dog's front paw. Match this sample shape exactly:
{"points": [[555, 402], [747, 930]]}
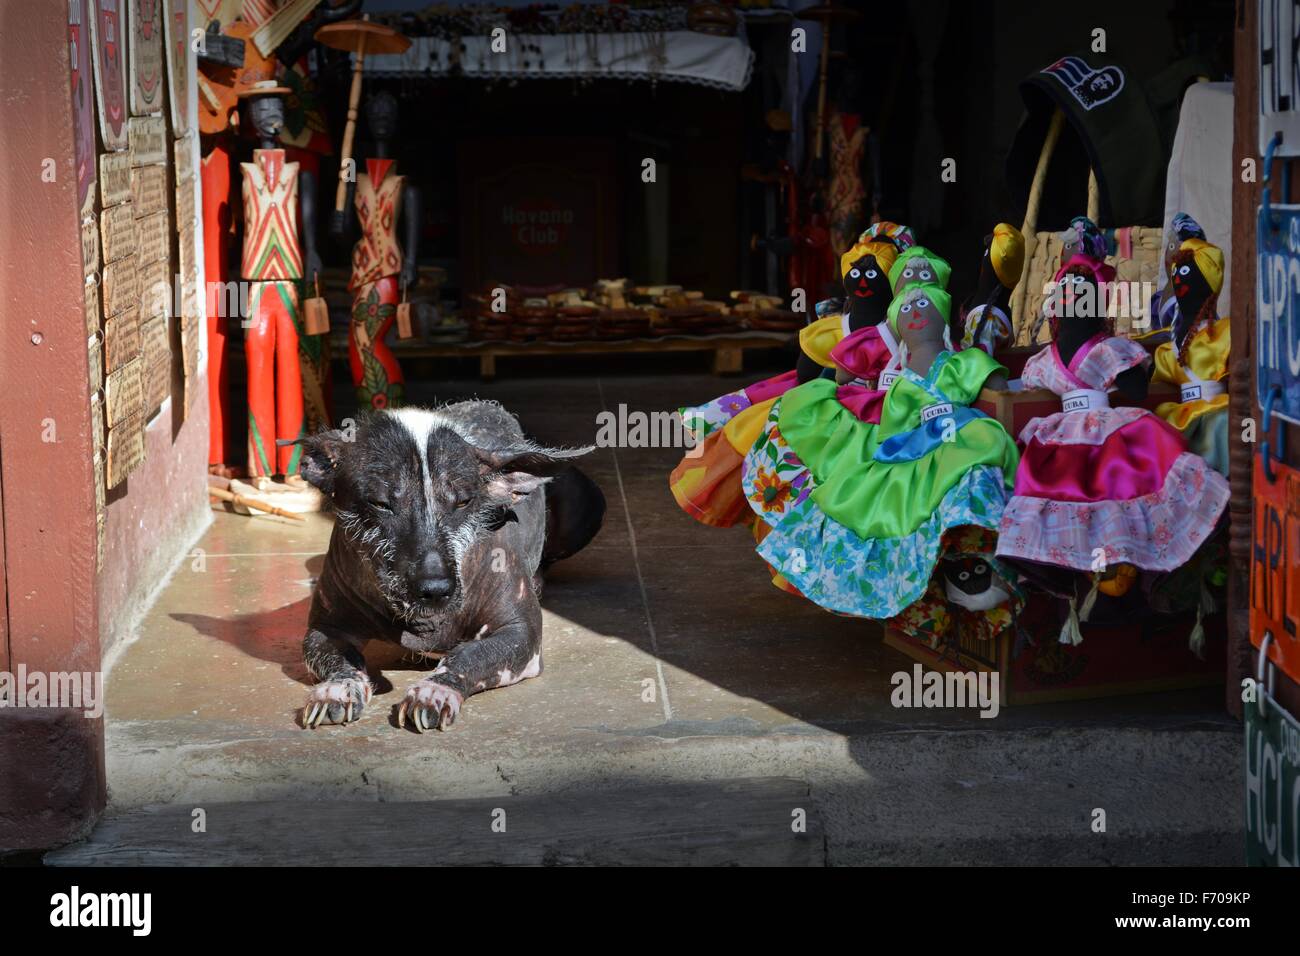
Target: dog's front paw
{"points": [[430, 706], [336, 702]]}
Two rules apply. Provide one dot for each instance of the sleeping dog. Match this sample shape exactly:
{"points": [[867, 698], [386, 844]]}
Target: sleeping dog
{"points": [[445, 519]]}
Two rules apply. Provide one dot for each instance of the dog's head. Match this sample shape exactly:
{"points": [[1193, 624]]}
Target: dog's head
{"points": [[413, 494]]}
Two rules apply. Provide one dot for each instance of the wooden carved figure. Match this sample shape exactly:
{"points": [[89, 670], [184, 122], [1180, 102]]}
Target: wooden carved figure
{"points": [[382, 270], [272, 265]]}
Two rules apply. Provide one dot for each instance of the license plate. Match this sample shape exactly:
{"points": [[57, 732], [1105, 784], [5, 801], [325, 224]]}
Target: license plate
{"points": [[1272, 786], [1275, 566], [1277, 313]]}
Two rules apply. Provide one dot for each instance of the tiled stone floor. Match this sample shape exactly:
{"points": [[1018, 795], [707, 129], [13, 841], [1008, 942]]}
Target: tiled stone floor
{"points": [[669, 657]]}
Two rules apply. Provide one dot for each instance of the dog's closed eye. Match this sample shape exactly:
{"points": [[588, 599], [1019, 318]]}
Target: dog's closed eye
{"points": [[378, 505]]}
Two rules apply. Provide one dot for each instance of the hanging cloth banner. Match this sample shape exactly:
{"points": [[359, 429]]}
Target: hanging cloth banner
{"points": [[679, 56]]}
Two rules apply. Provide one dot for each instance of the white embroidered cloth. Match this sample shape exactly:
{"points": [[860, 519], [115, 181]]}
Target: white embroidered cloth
{"points": [[678, 56]]}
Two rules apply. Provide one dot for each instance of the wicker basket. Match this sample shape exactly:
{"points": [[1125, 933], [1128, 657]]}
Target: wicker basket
{"points": [[1138, 259]]}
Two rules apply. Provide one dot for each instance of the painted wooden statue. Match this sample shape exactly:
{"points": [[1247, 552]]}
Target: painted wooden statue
{"points": [[272, 265], [382, 269]]}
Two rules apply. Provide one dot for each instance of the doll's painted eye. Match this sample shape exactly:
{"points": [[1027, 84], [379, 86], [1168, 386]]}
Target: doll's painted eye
{"points": [[871, 273], [926, 274], [922, 303], [963, 576], [1185, 270], [908, 273], [980, 568], [854, 273], [906, 308]]}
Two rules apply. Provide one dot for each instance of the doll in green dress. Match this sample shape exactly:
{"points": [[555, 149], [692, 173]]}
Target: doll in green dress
{"points": [[868, 537]]}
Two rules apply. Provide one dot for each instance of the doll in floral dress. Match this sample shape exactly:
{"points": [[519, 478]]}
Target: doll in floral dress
{"points": [[1102, 492], [866, 536]]}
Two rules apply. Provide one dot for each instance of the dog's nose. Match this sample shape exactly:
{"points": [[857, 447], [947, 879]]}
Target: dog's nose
{"points": [[432, 589]]}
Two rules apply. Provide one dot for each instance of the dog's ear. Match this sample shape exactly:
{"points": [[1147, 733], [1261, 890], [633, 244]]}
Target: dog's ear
{"points": [[511, 473], [320, 457]]}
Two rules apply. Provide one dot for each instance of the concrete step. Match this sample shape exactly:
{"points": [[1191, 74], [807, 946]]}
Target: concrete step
{"points": [[761, 821]]}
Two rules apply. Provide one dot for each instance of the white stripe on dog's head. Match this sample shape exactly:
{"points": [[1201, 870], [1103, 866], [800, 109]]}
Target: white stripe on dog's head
{"points": [[419, 424]]}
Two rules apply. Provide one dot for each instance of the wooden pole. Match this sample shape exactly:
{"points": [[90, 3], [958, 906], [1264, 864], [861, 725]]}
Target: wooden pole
{"points": [[821, 88], [1021, 291], [350, 129], [254, 503]]}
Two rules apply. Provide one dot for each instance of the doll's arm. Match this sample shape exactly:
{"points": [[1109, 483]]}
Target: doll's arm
{"points": [[996, 381], [343, 223], [411, 213], [307, 201], [1132, 383]]}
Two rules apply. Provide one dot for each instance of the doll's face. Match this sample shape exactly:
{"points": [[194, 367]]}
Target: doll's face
{"points": [[381, 115], [915, 270], [920, 322], [1186, 279], [1072, 247], [1078, 242], [865, 280], [1075, 296], [267, 115], [1171, 249]]}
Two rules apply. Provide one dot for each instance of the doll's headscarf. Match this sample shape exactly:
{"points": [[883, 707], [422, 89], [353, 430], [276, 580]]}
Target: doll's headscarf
{"points": [[1092, 241], [1209, 261], [938, 265], [1098, 267], [1184, 227], [942, 301], [900, 237], [1007, 254], [832, 306], [884, 252]]}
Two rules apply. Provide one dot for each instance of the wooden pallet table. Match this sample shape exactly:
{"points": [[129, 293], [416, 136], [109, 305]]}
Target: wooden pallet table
{"points": [[728, 350]]}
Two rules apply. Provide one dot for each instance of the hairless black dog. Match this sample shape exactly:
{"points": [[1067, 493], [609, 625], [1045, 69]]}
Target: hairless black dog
{"points": [[445, 519]]}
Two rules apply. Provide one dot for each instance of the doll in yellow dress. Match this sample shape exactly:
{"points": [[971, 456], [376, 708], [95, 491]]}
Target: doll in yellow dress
{"points": [[1196, 359], [707, 482]]}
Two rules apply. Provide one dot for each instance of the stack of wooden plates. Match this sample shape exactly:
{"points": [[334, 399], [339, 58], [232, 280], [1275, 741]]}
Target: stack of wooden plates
{"points": [[775, 320], [623, 324], [575, 323], [533, 321]]}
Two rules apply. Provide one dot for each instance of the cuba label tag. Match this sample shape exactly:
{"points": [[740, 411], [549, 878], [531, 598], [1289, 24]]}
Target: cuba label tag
{"points": [[931, 412]]}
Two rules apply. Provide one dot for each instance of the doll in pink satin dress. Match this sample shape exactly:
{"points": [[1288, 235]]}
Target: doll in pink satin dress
{"points": [[1100, 487]]}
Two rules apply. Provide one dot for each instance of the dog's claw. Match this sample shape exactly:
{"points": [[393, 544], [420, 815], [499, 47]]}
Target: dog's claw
{"points": [[430, 705], [336, 701]]}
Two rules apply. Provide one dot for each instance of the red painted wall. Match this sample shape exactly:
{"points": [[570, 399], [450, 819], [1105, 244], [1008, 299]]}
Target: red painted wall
{"points": [[60, 613]]}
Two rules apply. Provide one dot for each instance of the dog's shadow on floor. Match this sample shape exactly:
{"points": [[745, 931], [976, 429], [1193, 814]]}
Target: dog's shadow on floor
{"points": [[275, 636]]}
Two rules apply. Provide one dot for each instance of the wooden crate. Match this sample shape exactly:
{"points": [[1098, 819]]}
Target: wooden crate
{"points": [[1015, 409], [1114, 659]]}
